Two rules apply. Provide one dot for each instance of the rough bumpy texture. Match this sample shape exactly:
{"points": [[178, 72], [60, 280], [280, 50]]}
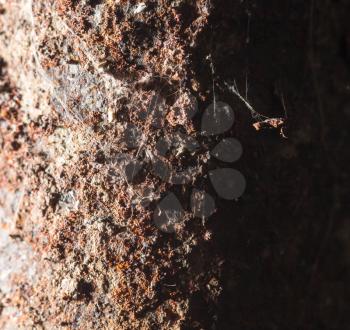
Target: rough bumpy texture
{"points": [[86, 86], [93, 71]]}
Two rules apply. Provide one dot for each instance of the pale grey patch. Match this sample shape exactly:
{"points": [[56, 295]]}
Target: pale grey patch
{"points": [[140, 7], [16, 257], [202, 204], [168, 214], [132, 169], [68, 287], [217, 118], [78, 90], [69, 201], [9, 203], [228, 183], [161, 169], [131, 136], [97, 18], [179, 141], [228, 150], [127, 166], [183, 177], [144, 197], [157, 111], [162, 146]]}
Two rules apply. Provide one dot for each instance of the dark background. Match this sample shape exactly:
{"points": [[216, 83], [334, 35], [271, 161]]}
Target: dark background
{"points": [[286, 243]]}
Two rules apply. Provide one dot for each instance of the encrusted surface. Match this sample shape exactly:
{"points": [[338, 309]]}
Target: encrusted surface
{"points": [[106, 264], [90, 87]]}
